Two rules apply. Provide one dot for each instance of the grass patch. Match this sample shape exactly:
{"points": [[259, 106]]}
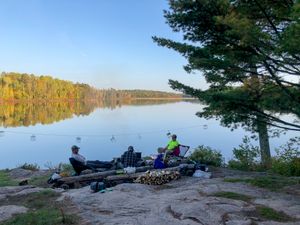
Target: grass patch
{"points": [[233, 195], [5, 180], [271, 214], [39, 181], [37, 200], [42, 217], [234, 180], [43, 209], [273, 183]]}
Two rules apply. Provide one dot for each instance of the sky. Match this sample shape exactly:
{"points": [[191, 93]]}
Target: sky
{"points": [[104, 43]]}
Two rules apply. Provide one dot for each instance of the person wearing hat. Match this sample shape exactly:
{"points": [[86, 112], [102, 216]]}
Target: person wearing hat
{"points": [[77, 156], [80, 163]]}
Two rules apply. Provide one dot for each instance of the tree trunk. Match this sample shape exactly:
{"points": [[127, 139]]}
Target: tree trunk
{"points": [[264, 142], [262, 128]]}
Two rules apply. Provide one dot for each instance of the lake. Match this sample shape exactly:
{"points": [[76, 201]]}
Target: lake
{"points": [[44, 133]]}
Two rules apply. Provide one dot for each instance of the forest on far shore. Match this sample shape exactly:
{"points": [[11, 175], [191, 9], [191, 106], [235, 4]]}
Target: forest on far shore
{"points": [[28, 87]]}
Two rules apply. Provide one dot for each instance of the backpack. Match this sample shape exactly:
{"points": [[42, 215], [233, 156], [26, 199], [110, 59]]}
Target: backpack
{"points": [[97, 186]]}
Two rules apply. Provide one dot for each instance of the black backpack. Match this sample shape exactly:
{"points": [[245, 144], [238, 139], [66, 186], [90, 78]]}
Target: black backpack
{"points": [[97, 186]]}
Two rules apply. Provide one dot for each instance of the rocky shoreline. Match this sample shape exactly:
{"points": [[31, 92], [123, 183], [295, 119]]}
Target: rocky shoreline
{"points": [[185, 201]]}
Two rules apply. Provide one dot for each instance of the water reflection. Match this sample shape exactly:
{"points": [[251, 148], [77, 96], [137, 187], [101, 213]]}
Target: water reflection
{"points": [[107, 131], [30, 114]]}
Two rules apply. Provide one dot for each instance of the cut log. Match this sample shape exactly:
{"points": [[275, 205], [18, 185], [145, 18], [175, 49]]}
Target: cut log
{"points": [[158, 177]]}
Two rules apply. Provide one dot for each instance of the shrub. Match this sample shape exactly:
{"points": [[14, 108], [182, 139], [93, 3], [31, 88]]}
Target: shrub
{"points": [[147, 158], [50, 166], [66, 169], [207, 155], [245, 156], [287, 160], [28, 166]]}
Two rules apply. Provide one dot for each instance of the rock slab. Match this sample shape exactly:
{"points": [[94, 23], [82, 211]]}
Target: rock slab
{"points": [[188, 201], [8, 211]]}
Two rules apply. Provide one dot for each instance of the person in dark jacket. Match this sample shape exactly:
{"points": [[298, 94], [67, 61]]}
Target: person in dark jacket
{"points": [[129, 158]]}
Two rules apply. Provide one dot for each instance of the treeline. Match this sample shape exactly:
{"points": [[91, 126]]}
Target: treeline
{"points": [[150, 94], [18, 87]]}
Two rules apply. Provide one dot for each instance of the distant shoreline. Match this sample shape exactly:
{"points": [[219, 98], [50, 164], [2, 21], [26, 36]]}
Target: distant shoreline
{"points": [[162, 98], [88, 100]]}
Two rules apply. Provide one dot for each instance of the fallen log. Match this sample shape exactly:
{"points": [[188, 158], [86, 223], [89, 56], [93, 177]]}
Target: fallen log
{"points": [[123, 177], [179, 167], [99, 176]]}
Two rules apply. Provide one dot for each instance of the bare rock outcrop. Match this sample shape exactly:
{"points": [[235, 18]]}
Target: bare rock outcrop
{"points": [[18, 190], [185, 201], [21, 174]]}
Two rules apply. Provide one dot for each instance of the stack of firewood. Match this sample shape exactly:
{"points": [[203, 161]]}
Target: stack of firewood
{"points": [[157, 177]]}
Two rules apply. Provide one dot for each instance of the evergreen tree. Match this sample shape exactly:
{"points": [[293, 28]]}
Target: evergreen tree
{"points": [[244, 49]]}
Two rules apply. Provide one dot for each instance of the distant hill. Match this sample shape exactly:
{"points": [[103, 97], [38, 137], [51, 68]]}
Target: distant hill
{"points": [[28, 87]]}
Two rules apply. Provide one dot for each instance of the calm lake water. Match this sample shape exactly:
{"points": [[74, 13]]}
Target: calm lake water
{"points": [[43, 134]]}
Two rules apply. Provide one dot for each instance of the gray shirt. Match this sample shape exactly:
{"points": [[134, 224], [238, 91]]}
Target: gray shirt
{"points": [[79, 158]]}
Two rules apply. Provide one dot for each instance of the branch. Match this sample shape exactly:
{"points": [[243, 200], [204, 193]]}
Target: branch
{"points": [[268, 18], [268, 116], [278, 81], [271, 124], [274, 118], [291, 83]]}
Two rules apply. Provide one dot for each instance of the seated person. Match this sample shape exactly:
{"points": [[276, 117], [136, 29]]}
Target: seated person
{"points": [[129, 158], [172, 147], [79, 162], [159, 163]]}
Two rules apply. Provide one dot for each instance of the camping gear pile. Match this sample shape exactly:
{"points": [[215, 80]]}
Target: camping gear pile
{"points": [[157, 177], [169, 169]]}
